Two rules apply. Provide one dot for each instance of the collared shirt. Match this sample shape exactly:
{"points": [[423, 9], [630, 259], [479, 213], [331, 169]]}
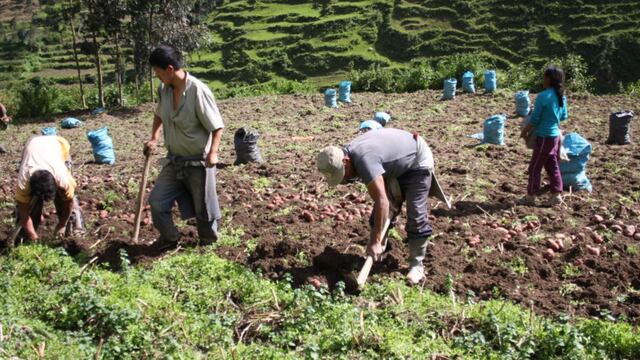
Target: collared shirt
{"points": [[547, 113], [187, 130], [388, 152], [45, 153]]}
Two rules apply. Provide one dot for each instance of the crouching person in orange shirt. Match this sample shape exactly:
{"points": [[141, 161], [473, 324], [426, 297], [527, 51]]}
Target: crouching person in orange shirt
{"points": [[44, 175]]}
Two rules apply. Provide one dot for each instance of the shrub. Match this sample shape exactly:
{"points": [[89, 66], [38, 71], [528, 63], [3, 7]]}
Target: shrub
{"points": [[524, 76], [112, 97], [31, 63], [273, 87], [36, 97], [577, 78], [455, 65]]}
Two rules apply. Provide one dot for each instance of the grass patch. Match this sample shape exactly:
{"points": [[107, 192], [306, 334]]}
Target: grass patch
{"points": [[196, 305]]}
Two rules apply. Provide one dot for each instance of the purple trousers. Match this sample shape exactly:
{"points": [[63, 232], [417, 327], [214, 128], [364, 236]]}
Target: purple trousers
{"points": [[546, 154]]}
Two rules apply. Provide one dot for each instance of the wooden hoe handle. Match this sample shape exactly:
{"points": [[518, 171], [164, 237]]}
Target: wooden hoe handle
{"points": [[143, 186]]}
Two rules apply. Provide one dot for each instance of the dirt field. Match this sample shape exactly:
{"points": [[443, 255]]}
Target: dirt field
{"points": [[263, 206]]}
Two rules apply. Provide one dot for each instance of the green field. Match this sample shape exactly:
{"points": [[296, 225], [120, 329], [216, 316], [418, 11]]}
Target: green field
{"points": [[196, 306], [253, 42]]}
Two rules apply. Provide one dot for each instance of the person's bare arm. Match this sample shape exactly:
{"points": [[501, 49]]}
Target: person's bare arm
{"points": [[25, 220], [150, 146], [212, 156], [63, 217], [378, 193], [526, 130]]}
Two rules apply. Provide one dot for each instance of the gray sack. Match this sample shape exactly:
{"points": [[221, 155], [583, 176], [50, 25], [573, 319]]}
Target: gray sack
{"points": [[619, 123], [245, 141]]}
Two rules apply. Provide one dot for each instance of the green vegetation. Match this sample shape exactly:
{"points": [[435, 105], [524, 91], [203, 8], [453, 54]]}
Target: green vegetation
{"points": [[196, 305]]}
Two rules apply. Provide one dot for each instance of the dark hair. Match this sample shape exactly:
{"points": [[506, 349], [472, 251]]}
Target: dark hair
{"points": [[43, 185], [556, 77], [163, 56]]}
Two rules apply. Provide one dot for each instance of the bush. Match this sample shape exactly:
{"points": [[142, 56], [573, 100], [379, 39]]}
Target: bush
{"points": [[577, 78], [377, 78], [40, 97], [633, 88], [273, 87], [31, 63], [112, 97], [455, 65], [524, 76], [419, 75], [36, 97]]}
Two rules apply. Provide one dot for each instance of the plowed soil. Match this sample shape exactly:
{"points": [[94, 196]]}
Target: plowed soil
{"points": [[484, 246]]}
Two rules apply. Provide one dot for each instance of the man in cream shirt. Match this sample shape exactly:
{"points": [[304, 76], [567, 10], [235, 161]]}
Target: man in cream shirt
{"points": [[192, 126]]}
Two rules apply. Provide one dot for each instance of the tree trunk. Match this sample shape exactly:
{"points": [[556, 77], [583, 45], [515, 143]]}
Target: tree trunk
{"points": [[150, 68], [75, 56], [119, 75], [99, 68]]}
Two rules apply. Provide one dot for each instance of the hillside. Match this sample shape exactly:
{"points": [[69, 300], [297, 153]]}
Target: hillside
{"points": [[255, 41]]}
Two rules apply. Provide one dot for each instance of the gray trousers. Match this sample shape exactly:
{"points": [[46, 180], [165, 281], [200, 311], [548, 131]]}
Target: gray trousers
{"points": [[170, 188], [415, 186]]}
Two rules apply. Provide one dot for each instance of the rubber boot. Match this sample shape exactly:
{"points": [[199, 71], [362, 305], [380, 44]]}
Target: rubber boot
{"points": [[417, 252], [554, 199], [527, 200]]}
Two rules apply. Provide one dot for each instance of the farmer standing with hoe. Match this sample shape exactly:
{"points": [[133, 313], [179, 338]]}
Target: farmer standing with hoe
{"points": [[43, 176], [192, 126], [396, 166]]}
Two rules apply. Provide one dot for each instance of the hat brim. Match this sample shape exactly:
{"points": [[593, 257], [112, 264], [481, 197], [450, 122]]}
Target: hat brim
{"points": [[334, 178]]}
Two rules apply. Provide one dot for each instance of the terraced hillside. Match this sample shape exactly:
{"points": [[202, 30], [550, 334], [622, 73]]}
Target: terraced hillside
{"points": [[255, 41]]}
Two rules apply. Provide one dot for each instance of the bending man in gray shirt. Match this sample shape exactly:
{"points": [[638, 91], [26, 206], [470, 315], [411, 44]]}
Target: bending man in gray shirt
{"points": [[396, 166], [192, 127]]}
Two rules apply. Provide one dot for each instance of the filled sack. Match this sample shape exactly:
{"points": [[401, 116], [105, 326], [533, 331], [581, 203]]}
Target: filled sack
{"points": [[70, 123], [619, 124], [523, 103], [330, 99], [245, 141], [345, 92], [573, 172], [102, 146], [493, 130], [467, 83], [490, 81], [382, 117], [449, 89]]}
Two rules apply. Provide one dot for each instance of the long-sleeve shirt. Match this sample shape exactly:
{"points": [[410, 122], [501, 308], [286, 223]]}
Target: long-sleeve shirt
{"points": [[547, 113]]}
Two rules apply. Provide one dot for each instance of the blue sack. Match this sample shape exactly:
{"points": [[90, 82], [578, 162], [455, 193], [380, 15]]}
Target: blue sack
{"points": [[102, 146], [493, 130], [523, 103], [345, 92], [70, 123], [574, 171], [98, 111], [382, 117], [370, 125], [330, 98], [576, 181], [467, 83], [490, 84], [49, 131], [449, 89]]}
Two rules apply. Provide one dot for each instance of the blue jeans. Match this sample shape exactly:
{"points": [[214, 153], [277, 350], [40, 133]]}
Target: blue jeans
{"points": [[169, 189]]}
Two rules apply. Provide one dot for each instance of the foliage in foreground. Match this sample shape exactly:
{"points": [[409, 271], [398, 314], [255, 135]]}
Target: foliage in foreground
{"points": [[194, 305]]}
